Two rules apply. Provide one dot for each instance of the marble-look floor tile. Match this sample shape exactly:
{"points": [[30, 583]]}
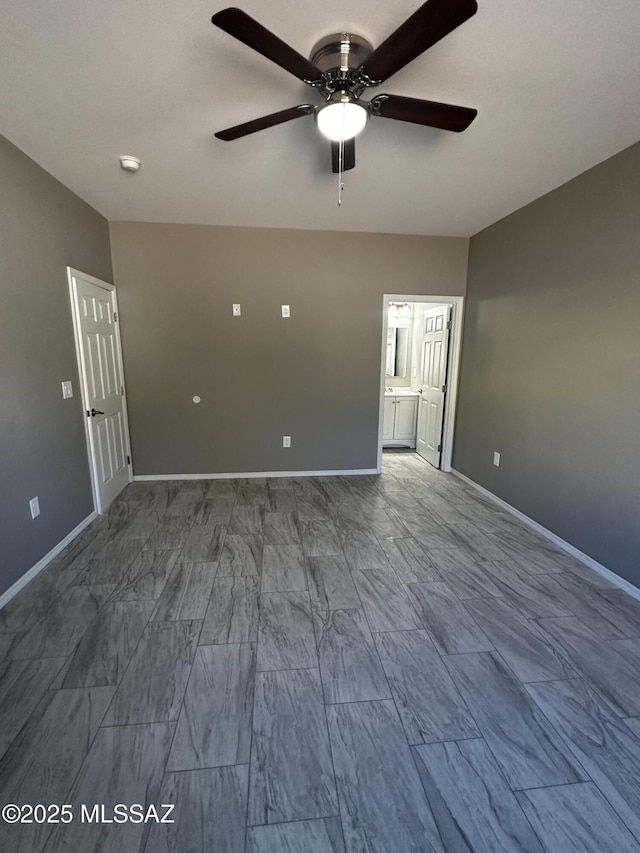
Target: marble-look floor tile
{"points": [[107, 646], [319, 538], [32, 603], [385, 523], [466, 579], [142, 524], [349, 664], [604, 617], [362, 550], [385, 602], [214, 511], [185, 503], [43, 760], [310, 836], [125, 765], [155, 681], [601, 663], [111, 562], [525, 744], [170, 535], [382, 803], [520, 642], [530, 594], [604, 745], [331, 585], [291, 774], [251, 491], [312, 508], [285, 632], [214, 727], [66, 621], [576, 819], [429, 534], [22, 685], [247, 520], [474, 808], [472, 538], [409, 561], [348, 515], [210, 812], [221, 489], [232, 613], [241, 556], [146, 577], [186, 593], [204, 544], [283, 568], [280, 501], [449, 623], [430, 706], [9, 642], [281, 528]]}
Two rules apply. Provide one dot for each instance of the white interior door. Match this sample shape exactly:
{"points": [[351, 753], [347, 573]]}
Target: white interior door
{"points": [[435, 348], [100, 362]]}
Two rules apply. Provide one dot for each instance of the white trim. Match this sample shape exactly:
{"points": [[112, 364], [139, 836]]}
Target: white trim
{"points": [[597, 567], [252, 474], [8, 594], [455, 351], [72, 274]]}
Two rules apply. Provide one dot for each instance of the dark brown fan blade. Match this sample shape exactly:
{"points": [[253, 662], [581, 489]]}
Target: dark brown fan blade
{"points": [[239, 25], [431, 22], [348, 155], [264, 122], [417, 111]]}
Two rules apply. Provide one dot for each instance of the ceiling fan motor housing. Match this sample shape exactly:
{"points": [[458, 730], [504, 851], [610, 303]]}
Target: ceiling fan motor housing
{"points": [[339, 54]]}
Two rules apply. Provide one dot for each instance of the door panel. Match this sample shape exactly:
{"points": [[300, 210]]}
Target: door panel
{"points": [[435, 347], [103, 386]]}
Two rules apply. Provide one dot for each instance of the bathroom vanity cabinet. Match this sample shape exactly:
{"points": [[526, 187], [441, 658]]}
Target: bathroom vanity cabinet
{"points": [[400, 417]]}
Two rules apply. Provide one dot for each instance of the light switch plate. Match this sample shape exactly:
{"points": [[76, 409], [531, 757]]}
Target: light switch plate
{"points": [[236, 309], [67, 389], [496, 458], [34, 506], [286, 311]]}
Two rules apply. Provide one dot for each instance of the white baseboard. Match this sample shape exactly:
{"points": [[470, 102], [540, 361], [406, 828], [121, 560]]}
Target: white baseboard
{"points": [[40, 565], [253, 474], [597, 567]]}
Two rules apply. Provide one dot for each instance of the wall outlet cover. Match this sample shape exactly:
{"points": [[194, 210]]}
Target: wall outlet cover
{"points": [[236, 309], [286, 441], [496, 458], [34, 506], [286, 310]]}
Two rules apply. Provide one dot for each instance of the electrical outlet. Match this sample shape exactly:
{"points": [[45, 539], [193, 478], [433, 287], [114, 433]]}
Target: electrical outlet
{"points": [[496, 458], [34, 506], [286, 310], [236, 309], [67, 389], [286, 441]]}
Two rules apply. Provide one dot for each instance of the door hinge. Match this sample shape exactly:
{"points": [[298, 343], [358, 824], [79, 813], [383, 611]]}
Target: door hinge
{"points": [[88, 413], [122, 390], [448, 324], [444, 389], [115, 316], [439, 448], [128, 460]]}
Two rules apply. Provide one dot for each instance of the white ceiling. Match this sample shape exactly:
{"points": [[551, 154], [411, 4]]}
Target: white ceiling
{"points": [[556, 83]]}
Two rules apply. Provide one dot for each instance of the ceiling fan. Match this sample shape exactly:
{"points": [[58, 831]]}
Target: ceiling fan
{"points": [[343, 66]]}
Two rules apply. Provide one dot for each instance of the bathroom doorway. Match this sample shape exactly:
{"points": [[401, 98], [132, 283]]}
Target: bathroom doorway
{"points": [[421, 344]]}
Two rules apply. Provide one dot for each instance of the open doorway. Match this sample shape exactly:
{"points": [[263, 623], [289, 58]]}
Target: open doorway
{"points": [[421, 345]]}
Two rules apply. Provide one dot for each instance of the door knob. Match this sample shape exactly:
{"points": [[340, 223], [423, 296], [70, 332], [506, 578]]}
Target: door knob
{"points": [[95, 412]]}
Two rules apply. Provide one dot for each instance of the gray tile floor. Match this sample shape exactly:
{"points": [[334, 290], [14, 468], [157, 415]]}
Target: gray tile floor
{"points": [[323, 665]]}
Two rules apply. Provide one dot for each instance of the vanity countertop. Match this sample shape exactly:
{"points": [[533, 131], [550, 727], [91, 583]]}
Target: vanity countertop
{"points": [[400, 392]]}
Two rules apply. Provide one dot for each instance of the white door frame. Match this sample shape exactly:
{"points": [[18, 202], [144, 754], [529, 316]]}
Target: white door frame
{"points": [[82, 374], [455, 351]]}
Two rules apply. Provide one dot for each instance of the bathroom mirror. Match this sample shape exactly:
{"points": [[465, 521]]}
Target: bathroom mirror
{"points": [[397, 351]]}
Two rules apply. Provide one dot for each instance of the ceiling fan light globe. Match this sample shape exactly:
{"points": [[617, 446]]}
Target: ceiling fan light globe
{"points": [[340, 120]]}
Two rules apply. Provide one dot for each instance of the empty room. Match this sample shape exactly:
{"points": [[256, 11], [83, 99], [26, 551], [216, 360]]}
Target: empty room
{"points": [[319, 432]]}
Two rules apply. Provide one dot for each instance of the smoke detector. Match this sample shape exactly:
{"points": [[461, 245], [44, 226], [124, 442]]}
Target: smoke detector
{"points": [[130, 164]]}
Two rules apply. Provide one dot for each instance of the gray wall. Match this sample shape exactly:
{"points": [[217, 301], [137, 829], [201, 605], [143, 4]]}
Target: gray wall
{"points": [[43, 228], [315, 376], [551, 362]]}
